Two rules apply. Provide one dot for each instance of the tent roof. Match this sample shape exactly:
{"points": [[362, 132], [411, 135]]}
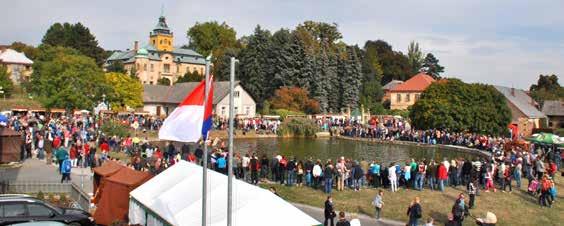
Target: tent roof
{"points": [[15, 57], [108, 168], [175, 195], [129, 177]]}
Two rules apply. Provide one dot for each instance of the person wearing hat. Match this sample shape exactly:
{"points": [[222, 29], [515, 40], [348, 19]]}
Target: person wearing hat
{"points": [[489, 220]]}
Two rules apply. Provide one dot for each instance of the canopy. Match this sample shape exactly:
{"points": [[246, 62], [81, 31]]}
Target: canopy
{"points": [[10, 144], [112, 198], [544, 138], [174, 198], [107, 169]]}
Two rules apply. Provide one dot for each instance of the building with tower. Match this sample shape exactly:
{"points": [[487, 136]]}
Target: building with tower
{"points": [[159, 58]]}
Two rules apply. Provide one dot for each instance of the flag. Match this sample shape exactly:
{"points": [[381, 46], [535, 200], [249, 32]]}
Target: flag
{"points": [[191, 119]]}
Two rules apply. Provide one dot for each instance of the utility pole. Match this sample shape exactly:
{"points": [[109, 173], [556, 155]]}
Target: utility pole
{"points": [[205, 157], [231, 132]]}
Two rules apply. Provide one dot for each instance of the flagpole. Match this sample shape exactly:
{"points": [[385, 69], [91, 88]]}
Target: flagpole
{"points": [[230, 155], [205, 157]]}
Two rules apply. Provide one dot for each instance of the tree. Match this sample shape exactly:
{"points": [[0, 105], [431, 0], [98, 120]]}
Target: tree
{"points": [[190, 77], [222, 65], [125, 91], [461, 107], [30, 51], [254, 66], [75, 36], [432, 67], [116, 66], [63, 78], [394, 65], [213, 38], [5, 82], [415, 57], [294, 99], [547, 88], [164, 81]]}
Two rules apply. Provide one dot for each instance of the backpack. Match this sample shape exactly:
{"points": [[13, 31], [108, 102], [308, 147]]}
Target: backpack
{"points": [[67, 166]]}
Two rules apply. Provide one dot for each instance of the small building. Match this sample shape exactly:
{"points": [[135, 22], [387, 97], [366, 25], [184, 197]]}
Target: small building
{"points": [[159, 58], [386, 88], [524, 113], [161, 100], [17, 64], [406, 94], [554, 110]]}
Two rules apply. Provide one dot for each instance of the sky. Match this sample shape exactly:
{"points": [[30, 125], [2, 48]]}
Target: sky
{"points": [[501, 42]]}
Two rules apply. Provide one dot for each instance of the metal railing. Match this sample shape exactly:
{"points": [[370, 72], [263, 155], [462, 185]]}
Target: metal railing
{"points": [[33, 187]]}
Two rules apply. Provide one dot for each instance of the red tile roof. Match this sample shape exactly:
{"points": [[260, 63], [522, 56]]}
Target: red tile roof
{"points": [[417, 83]]}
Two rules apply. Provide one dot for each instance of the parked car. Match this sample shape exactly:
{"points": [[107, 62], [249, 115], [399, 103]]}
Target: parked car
{"points": [[41, 223], [16, 209]]}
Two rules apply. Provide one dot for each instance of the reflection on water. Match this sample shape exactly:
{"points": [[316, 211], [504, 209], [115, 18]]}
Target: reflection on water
{"points": [[331, 148]]}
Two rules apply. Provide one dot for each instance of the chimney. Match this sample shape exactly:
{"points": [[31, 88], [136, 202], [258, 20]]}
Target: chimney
{"points": [[136, 46], [512, 91]]}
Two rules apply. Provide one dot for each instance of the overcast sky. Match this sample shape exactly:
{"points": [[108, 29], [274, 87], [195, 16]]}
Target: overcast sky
{"points": [[501, 42]]}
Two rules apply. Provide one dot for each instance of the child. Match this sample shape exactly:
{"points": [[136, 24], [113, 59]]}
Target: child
{"points": [[489, 181], [430, 222]]}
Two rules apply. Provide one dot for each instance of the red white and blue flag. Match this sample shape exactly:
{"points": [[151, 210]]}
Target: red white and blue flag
{"points": [[191, 119]]}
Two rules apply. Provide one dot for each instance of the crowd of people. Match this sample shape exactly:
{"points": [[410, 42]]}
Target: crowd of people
{"points": [[78, 141], [258, 125]]}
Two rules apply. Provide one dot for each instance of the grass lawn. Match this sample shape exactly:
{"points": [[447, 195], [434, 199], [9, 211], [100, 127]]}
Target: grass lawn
{"points": [[516, 208]]}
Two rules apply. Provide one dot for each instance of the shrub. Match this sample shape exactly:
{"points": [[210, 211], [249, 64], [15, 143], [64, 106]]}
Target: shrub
{"points": [[114, 128], [300, 127], [283, 113]]}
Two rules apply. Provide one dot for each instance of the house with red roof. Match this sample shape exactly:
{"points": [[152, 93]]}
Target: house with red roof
{"points": [[406, 94]]}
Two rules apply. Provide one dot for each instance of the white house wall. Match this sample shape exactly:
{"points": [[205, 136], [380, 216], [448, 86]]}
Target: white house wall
{"points": [[244, 105]]}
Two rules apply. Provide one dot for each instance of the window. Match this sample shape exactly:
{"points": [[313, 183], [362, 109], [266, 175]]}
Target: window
{"points": [[166, 68], [247, 110], [235, 110], [153, 42], [144, 67], [236, 94], [178, 68], [407, 97], [398, 97], [161, 42], [417, 97], [151, 82], [201, 71], [166, 58], [14, 210], [223, 110], [152, 67], [36, 210]]}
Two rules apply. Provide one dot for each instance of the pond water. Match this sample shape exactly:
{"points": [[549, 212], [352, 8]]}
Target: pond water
{"points": [[332, 148]]}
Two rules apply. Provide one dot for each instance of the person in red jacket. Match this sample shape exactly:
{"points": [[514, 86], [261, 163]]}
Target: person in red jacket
{"points": [[442, 176]]}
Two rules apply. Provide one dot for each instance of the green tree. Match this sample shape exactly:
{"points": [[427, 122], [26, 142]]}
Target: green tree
{"points": [[125, 91], [461, 107], [116, 66], [547, 88], [415, 57], [30, 51], [394, 65], [63, 78], [213, 38], [5, 82], [164, 81], [222, 65], [254, 66], [432, 67], [190, 77], [75, 36]]}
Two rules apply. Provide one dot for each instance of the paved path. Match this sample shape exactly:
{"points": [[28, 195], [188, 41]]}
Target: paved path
{"points": [[39, 171], [365, 220]]}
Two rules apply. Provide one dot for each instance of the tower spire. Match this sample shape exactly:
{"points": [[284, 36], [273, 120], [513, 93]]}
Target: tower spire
{"points": [[162, 10]]}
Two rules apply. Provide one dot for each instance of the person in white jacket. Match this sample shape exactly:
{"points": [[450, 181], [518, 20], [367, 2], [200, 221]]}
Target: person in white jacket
{"points": [[316, 172], [393, 177]]}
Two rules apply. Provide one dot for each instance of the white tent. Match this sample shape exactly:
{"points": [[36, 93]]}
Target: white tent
{"points": [[174, 198]]}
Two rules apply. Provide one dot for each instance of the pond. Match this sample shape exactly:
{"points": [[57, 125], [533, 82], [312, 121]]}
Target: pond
{"points": [[333, 148]]}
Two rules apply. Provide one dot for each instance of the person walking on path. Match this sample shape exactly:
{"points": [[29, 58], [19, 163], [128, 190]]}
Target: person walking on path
{"points": [[329, 212], [378, 204], [343, 220], [414, 212], [459, 210], [66, 168]]}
